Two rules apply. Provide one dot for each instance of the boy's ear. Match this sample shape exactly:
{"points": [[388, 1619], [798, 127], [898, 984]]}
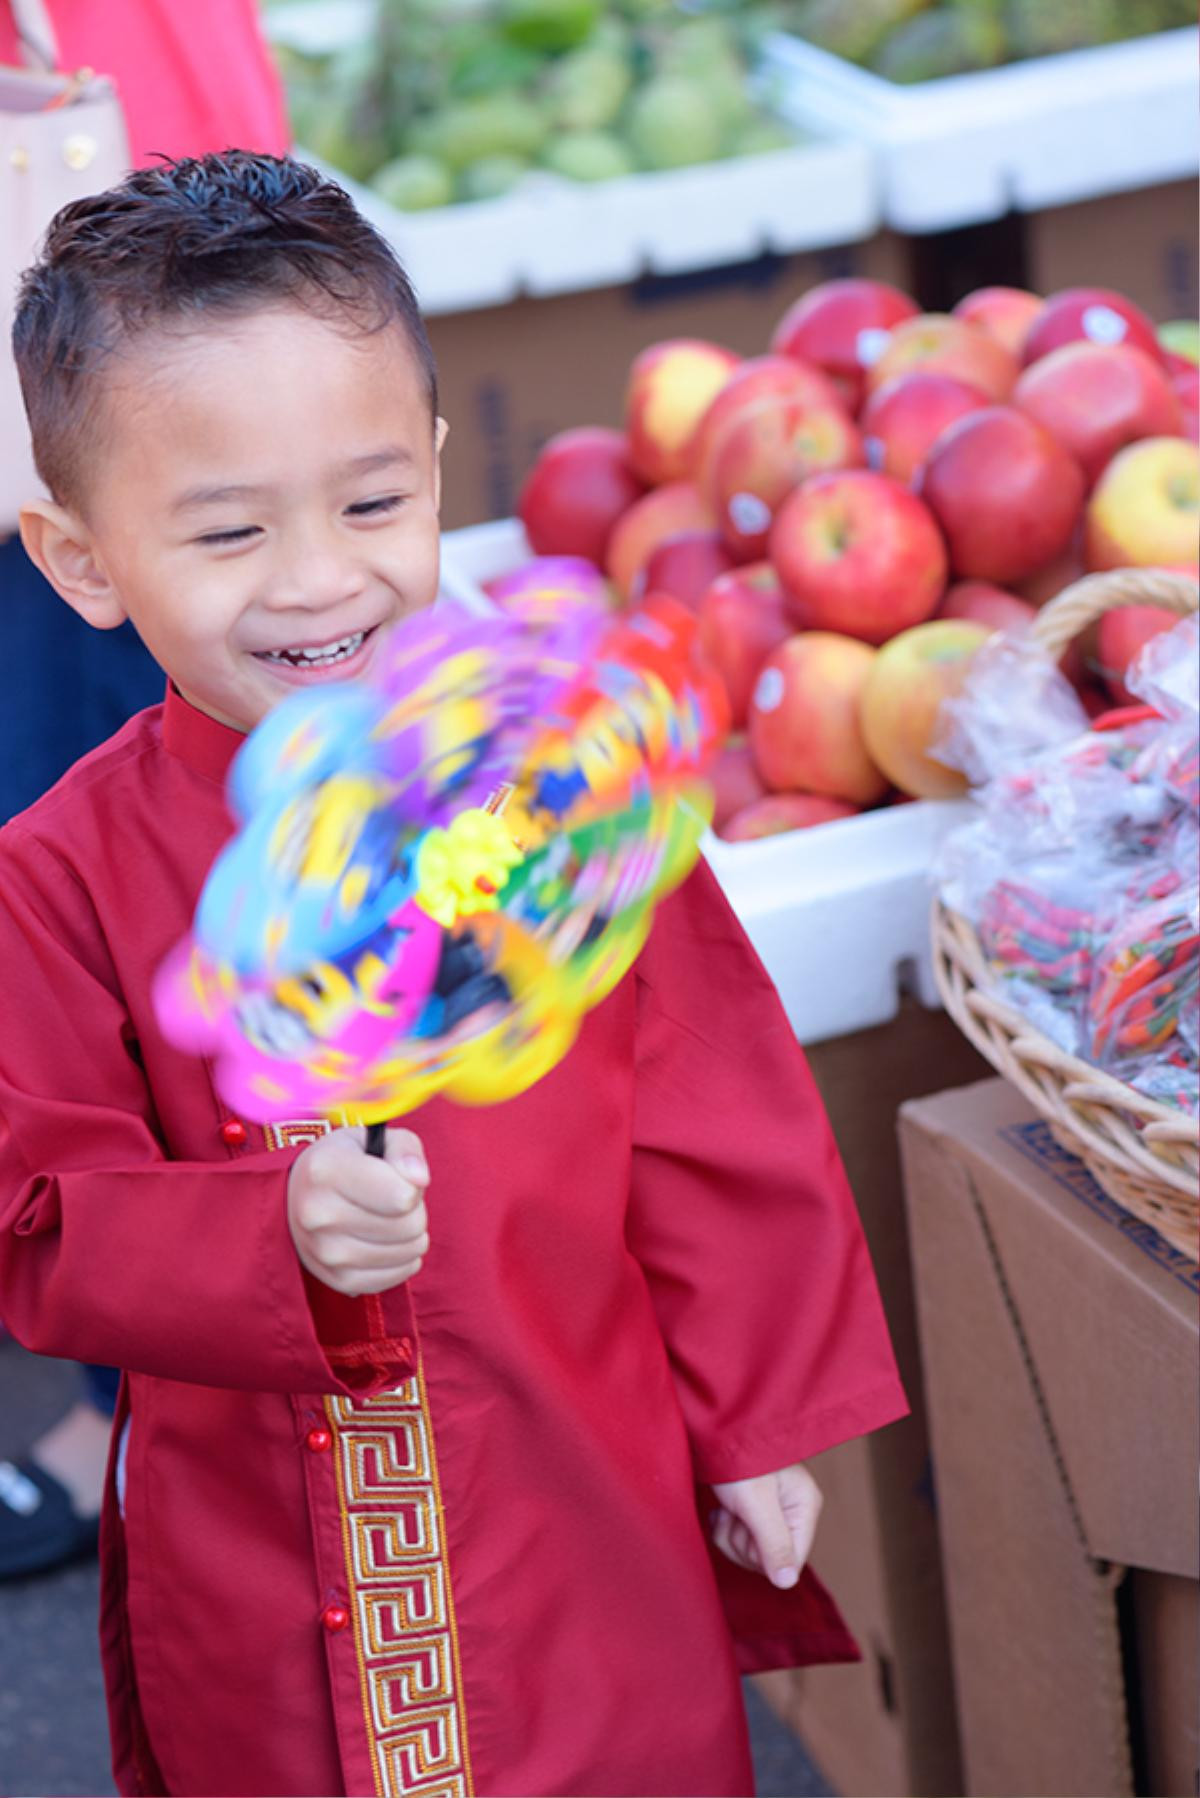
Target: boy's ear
{"points": [[59, 544], [441, 432]]}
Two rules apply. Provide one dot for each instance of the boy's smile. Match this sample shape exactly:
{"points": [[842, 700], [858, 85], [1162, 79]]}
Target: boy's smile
{"points": [[264, 502]]}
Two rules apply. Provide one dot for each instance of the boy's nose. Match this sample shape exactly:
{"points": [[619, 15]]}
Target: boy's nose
{"points": [[315, 579]]}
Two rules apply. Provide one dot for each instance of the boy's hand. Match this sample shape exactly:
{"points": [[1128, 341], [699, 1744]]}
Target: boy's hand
{"points": [[768, 1523], [359, 1224]]}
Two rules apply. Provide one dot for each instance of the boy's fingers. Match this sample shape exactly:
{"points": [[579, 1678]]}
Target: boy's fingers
{"points": [[374, 1185], [762, 1514]]}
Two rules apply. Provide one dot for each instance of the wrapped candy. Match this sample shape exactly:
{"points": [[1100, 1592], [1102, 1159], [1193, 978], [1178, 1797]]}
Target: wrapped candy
{"points": [[1079, 872], [440, 869]]}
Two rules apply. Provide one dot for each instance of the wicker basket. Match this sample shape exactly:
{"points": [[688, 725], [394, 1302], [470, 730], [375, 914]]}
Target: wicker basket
{"points": [[1144, 1154]]}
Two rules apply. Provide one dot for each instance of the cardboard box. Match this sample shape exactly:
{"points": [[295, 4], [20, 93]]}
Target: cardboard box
{"points": [[887, 1725], [1143, 244], [1059, 1340], [511, 376]]}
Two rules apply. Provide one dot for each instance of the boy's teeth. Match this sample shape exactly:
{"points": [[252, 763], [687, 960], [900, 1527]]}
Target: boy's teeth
{"points": [[316, 658]]}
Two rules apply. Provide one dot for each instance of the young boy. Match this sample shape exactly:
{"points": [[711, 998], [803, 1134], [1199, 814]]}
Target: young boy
{"points": [[413, 1490]]}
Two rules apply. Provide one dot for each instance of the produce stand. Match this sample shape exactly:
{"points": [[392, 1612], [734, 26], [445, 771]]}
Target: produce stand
{"points": [[969, 148], [552, 236], [852, 897]]}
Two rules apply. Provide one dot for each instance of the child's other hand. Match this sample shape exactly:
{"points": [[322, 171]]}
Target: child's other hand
{"points": [[359, 1223], [768, 1523]]}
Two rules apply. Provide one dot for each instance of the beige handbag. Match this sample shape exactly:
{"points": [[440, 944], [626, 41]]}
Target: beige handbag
{"points": [[61, 136]]}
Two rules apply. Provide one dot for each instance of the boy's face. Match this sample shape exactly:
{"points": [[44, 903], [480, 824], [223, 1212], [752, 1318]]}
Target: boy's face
{"points": [[264, 502]]}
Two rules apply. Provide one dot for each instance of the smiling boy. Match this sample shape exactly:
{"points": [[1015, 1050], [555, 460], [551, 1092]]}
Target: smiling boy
{"points": [[412, 1493]]}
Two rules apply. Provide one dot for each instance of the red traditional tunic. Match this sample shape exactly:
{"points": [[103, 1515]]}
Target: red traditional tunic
{"points": [[444, 1540]]}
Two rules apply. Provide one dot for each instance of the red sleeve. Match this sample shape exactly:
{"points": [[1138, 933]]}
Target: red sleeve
{"points": [[741, 1215], [110, 1252]]}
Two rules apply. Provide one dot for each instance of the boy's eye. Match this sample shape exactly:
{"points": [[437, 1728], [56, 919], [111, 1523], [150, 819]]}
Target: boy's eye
{"points": [[373, 508], [215, 538]]}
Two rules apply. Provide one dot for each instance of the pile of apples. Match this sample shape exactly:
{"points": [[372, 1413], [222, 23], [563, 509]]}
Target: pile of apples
{"points": [[851, 515]]}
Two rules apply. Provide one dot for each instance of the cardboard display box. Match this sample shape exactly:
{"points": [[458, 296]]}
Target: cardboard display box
{"points": [[1143, 244], [1059, 1340], [886, 1725], [511, 376]]}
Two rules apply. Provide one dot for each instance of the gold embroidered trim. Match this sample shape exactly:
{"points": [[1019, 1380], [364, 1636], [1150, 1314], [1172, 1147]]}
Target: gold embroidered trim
{"points": [[401, 1604], [295, 1133], [398, 1577]]}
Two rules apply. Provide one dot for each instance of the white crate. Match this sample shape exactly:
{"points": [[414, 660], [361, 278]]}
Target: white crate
{"points": [[552, 236], [840, 914], [1027, 136]]}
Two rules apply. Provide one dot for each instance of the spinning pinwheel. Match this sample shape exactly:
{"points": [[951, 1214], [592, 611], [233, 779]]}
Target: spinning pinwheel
{"points": [[440, 869]]}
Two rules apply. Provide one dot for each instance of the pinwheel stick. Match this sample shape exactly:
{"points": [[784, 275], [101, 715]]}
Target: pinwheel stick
{"points": [[376, 1139]]}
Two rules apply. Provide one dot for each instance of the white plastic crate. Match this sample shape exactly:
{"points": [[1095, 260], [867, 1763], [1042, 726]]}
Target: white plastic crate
{"points": [[1027, 136], [839, 914], [552, 236]]}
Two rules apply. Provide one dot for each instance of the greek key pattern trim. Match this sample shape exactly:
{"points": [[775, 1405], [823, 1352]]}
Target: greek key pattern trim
{"points": [[401, 1605]]}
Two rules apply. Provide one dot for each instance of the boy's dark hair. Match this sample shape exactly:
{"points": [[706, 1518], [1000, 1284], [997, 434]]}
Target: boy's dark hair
{"points": [[220, 234]]}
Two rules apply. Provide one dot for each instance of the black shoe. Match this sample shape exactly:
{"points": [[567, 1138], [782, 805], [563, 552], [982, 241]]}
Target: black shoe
{"points": [[40, 1528]]}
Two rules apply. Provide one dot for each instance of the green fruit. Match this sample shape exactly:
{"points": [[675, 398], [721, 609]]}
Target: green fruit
{"points": [[491, 177], [548, 24], [1181, 337], [471, 130], [586, 89], [938, 44], [853, 28], [588, 156], [763, 135], [414, 183], [672, 124]]}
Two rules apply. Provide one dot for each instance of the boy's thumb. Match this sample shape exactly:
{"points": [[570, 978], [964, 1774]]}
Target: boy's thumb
{"points": [[764, 1518]]}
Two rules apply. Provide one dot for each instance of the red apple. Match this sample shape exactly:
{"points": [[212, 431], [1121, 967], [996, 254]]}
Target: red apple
{"points": [[740, 621], [1048, 581], [1145, 509], [938, 344], [780, 812], [859, 554], [764, 454], [983, 603], [576, 490], [1005, 313], [759, 378], [1124, 633], [671, 386], [1184, 377], [804, 719], [902, 420], [1095, 314], [902, 700], [734, 779], [661, 513], [686, 565], [1097, 397], [842, 326], [1006, 493]]}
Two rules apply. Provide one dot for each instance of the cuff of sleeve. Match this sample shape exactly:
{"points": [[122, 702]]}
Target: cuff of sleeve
{"points": [[801, 1436], [369, 1342]]}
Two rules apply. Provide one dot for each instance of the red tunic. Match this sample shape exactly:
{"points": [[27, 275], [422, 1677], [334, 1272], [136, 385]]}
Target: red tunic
{"points": [[446, 1540]]}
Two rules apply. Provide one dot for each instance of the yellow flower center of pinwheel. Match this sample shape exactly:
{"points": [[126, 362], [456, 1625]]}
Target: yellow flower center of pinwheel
{"points": [[460, 870]]}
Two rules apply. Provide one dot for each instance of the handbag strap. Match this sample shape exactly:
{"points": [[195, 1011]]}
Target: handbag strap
{"points": [[35, 35]]}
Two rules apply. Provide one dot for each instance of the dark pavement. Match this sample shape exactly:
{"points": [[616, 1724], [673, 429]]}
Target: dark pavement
{"points": [[53, 1737]]}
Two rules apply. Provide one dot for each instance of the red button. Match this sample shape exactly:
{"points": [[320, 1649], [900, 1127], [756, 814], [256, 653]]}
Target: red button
{"points": [[318, 1440], [233, 1132], [335, 1617]]}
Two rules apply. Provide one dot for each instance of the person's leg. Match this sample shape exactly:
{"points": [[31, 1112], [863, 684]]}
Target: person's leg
{"points": [[50, 1497]]}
